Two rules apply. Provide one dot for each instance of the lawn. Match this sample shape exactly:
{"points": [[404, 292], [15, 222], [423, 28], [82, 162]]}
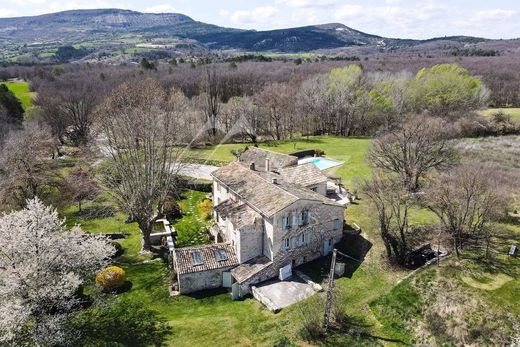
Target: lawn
{"points": [[513, 112], [351, 151], [381, 309], [22, 92]]}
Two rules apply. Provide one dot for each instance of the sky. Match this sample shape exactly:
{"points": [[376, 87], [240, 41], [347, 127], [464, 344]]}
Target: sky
{"points": [[390, 18]]}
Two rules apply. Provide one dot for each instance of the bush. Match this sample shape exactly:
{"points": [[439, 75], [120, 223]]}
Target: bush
{"points": [[205, 207], [111, 278], [171, 209], [311, 318]]}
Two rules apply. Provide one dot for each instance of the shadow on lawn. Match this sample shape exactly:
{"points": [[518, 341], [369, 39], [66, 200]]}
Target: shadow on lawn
{"points": [[355, 331], [119, 324], [356, 246]]}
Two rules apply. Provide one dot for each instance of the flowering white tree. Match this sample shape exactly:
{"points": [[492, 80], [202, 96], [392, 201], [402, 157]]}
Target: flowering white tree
{"points": [[42, 265]]}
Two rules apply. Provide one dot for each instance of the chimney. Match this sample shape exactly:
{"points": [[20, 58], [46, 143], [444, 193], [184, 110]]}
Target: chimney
{"points": [[267, 165], [252, 166], [274, 180]]}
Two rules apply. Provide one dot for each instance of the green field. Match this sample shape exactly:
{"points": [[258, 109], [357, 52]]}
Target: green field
{"points": [[513, 112], [22, 92], [381, 310]]}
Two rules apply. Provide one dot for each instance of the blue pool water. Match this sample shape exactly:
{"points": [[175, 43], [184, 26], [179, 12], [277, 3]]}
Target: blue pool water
{"points": [[321, 163]]}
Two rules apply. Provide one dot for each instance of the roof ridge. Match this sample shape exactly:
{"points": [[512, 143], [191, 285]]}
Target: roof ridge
{"points": [[271, 151], [274, 185]]}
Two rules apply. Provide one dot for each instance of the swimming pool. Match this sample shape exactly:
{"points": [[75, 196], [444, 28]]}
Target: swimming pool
{"points": [[320, 162]]}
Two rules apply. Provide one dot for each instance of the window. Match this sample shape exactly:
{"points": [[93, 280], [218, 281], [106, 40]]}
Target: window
{"points": [[302, 239], [286, 243], [304, 217], [220, 254], [196, 258], [314, 189], [286, 222], [336, 224]]}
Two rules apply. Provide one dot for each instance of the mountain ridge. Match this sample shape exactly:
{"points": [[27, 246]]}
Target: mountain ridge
{"points": [[127, 29]]}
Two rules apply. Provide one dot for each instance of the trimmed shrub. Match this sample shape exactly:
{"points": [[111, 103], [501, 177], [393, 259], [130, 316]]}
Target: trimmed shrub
{"points": [[111, 278]]}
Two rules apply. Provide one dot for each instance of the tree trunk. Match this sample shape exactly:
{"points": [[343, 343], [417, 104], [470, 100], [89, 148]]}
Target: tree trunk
{"points": [[146, 230], [456, 246]]}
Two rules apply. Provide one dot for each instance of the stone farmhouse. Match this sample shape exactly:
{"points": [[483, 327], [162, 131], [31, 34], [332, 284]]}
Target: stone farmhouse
{"points": [[271, 215]]}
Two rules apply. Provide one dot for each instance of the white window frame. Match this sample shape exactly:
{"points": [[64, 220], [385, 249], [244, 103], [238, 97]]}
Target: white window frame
{"points": [[286, 243]]}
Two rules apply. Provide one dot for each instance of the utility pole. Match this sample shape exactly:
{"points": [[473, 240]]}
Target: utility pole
{"points": [[330, 295], [330, 287]]}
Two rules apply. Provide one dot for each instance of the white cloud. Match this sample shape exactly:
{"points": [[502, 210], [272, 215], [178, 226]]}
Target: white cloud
{"points": [[308, 3], [56, 6], [259, 15], [496, 14], [348, 11], [161, 8], [423, 19], [6, 12]]}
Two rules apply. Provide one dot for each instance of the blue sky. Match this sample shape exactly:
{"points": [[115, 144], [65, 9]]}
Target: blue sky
{"points": [[391, 18]]}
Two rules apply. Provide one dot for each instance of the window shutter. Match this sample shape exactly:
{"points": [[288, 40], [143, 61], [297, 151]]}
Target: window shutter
{"points": [[295, 219], [308, 236], [308, 217]]}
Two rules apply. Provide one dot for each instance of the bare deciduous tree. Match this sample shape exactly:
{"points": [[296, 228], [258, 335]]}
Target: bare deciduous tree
{"points": [[392, 201], [79, 186], [68, 104], [25, 166], [42, 265], [466, 200], [416, 146], [140, 124], [245, 116], [211, 96]]}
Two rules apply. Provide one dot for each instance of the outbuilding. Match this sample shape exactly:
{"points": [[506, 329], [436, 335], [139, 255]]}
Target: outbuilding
{"points": [[203, 267]]}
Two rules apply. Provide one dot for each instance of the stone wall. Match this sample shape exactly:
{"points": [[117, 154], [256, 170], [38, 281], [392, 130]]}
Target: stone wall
{"points": [[249, 241], [195, 281]]}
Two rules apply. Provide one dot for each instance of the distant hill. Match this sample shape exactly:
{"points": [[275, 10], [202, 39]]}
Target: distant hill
{"points": [[104, 32]]}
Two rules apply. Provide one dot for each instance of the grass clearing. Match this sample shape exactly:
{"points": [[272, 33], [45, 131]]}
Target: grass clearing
{"points": [[514, 113], [22, 92], [351, 151]]}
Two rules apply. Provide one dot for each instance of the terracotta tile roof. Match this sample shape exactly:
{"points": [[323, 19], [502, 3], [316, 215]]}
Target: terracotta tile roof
{"points": [[303, 175], [257, 155], [207, 254], [250, 268]]}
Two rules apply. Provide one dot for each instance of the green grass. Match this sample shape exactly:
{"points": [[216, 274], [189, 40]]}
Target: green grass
{"points": [[191, 227], [513, 112], [389, 312], [22, 92], [351, 151]]}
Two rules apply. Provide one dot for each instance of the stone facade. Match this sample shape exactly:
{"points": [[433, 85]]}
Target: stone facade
{"points": [[270, 213], [202, 280]]}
